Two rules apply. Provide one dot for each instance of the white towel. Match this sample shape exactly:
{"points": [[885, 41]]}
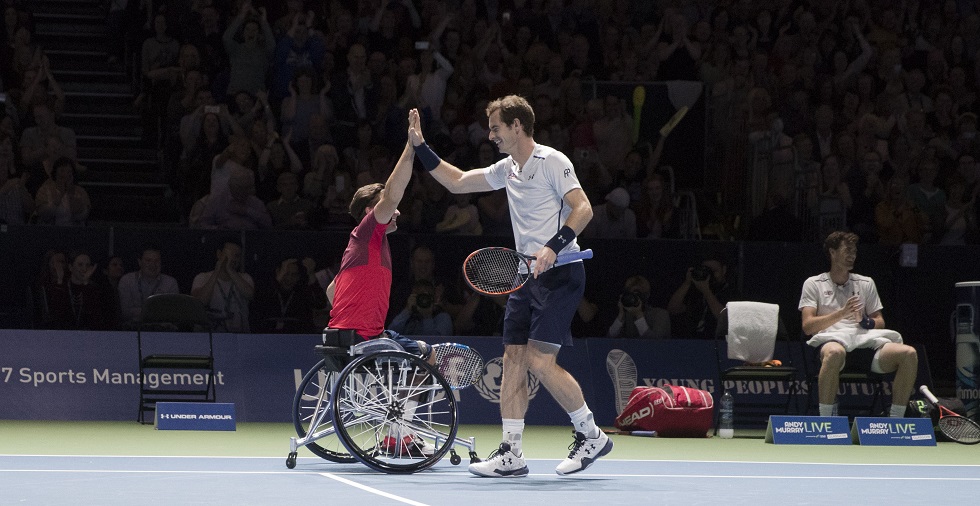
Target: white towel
{"points": [[752, 328]]}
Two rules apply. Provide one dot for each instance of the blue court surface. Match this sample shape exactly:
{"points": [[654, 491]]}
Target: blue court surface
{"points": [[111, 480]]}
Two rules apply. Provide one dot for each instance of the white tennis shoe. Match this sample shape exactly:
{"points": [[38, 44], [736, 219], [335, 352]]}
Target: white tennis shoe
{"points": [[583, 452], [502, 463]]}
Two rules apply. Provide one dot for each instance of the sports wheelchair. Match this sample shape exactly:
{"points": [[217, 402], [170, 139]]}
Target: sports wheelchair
{"points": [[374, 403]]}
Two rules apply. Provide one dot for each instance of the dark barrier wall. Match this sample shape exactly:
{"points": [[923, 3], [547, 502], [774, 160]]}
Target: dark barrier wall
{"points": [[66, 375], [918, 300]]}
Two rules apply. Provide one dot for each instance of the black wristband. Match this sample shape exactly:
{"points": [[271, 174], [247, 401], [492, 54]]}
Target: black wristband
{"points": [[867, 322], [430, 160], [564, 236]]}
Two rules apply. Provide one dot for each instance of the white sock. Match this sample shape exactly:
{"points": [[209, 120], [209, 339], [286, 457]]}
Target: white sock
{"points": [[827, 409], [410, 406], [897, 411], [514, 434], [584, 422]]}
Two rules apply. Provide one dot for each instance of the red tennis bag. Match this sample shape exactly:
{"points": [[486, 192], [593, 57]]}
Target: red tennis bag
{"points": [[672, 411]]}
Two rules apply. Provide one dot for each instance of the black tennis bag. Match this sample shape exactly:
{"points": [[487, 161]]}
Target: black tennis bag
{"points": [[922, 408]]}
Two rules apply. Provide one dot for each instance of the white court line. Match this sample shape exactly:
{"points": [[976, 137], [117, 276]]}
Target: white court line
{"points": [[372, 490], [337, 477], [145, 471], [770, 477], [674, 461]]}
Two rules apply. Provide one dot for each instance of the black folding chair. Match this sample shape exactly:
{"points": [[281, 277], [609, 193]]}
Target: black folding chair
{"points": [[731, 370], [169, 313]]}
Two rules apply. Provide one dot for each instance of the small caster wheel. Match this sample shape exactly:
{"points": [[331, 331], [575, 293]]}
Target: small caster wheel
{"points": [[455, 459], [291, 460], [474, 458]]}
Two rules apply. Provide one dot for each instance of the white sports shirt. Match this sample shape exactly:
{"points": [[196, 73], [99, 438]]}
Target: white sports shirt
{"points": [[822, 293], [535, 192]]}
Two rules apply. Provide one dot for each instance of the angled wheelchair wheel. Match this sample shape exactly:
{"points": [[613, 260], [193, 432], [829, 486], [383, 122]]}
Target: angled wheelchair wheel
{"points": [[394, 412], [312, 413]]}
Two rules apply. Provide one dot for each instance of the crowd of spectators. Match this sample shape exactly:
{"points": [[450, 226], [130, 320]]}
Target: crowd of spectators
{"points": [[270, 115], [850, 100]]}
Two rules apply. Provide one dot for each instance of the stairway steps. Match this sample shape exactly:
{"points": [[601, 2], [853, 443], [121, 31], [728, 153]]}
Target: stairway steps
{"points": [[135, 176], [89, 121], [96, 31], [123, 153], [97, 89], [119, 105], [108, 128], [87, 44], [98, 77], [123, 178], [116, 207], [82, 14]]}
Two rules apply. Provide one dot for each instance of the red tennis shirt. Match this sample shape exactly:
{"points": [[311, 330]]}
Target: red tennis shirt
{"points": [[363, 285]]}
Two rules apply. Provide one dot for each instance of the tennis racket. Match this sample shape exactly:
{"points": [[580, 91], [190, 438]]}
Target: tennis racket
{"points": [[957, 428], [460, 365], [499, 271], [642, 433]]}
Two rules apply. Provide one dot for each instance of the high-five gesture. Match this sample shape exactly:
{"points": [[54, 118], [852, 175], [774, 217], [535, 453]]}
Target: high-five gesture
{"points": [[415, 128]]}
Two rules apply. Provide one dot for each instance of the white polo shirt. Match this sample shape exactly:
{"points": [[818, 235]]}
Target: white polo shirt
{"points": [[822, 293], [535, 192]]}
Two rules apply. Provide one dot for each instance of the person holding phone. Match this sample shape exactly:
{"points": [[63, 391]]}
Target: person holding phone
{"points": [[226, 291], [548, 210]]}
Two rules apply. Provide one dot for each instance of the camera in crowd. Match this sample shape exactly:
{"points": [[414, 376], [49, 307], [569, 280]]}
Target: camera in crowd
{"points": [[630, 299], [700, 273], [424, 300]]}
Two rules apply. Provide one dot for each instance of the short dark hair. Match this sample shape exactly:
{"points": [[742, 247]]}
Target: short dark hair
{"points": [[838, 237], [149, 246], [364, 197], [514, 107]]}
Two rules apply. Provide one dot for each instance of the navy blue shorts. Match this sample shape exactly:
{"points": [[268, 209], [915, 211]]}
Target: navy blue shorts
{"points": [[543, 308], [418, 348]]}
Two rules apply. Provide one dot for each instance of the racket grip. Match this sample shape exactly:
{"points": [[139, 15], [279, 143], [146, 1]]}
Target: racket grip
{"points": [[571, 257], [925, 391]]}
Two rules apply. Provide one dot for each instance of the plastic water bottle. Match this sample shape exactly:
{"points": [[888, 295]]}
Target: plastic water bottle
{"points": [[726, 423]]}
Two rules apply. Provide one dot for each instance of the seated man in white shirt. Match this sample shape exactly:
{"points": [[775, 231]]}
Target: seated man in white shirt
{"points": [[842, 311]]}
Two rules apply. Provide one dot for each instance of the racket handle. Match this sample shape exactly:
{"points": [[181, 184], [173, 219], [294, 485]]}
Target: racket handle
{"points": [[925, 391], [571, 257]]}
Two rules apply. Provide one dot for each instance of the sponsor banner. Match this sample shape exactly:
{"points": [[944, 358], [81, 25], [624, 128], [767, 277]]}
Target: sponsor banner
{"points": [[76, 375], [194, 416], [808, 430], [884, 431]]}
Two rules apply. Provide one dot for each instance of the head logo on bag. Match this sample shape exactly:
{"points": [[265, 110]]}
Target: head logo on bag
{"points": [[641, 413], [680, 411]]}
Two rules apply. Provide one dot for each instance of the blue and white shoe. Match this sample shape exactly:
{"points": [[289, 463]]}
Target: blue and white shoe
{"points": [[502, 463], [583, 452]]}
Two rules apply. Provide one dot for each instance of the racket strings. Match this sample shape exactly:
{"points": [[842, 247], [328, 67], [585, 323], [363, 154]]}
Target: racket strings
{"points": [[495, 271], [460, 366], [960, 429]]}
